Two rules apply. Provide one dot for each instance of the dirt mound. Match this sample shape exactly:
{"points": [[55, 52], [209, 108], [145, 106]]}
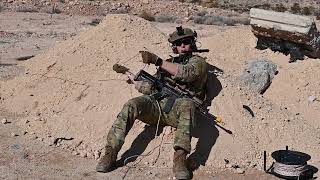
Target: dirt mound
{"points": [[69, 96], [282, 116], [71, 93]]}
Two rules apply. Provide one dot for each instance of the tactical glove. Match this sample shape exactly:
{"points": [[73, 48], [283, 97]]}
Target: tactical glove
{"points": [[120, 69], [143, 87], [150, 58]]}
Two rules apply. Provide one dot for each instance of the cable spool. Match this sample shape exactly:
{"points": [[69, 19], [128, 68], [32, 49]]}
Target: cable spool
{"points": [[290, 165], [286, 170]]}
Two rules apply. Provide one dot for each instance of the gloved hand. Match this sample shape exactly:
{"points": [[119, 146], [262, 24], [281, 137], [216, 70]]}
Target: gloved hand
{"points": [[120, 69], [143, 87], [150, 58]]}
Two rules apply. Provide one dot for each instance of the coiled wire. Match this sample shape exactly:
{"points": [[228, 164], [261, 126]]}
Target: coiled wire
{"points": [[159, 146], [289, 170]]}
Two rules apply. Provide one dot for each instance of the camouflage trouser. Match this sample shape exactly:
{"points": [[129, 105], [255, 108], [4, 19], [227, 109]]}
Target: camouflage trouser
{"points": [[146, 109]]}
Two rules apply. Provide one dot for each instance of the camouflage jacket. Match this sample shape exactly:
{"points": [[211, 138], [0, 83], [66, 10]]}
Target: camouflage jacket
{"points": [[191, 74]]}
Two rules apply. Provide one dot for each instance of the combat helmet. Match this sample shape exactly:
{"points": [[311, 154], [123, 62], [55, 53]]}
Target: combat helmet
{"points": [[181, 33]]}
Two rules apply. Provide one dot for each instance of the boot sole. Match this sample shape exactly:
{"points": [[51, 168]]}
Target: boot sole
{"points": [[183, 176], [105, 170]]}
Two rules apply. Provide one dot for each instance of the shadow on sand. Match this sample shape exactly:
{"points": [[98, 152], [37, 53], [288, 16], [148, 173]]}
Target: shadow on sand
{"points": [[139, 145], [204, 129]]}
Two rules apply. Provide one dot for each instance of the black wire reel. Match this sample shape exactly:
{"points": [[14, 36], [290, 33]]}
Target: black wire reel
{"points": [[290, 164]]}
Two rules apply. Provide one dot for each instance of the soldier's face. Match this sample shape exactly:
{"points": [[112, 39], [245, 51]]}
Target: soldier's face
{"points": [[184, 45], [184, 48]]}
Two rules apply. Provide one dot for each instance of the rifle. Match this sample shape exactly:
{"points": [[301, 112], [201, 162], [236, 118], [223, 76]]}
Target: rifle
{"points": [[168, 91]]}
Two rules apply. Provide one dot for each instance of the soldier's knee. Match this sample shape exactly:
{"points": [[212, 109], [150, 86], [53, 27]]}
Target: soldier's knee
{"points": [[132, 103], [184, 104], [133, 106]]}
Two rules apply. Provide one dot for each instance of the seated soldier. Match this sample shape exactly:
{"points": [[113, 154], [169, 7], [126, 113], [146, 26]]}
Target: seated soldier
{"points": [[186, 69]]}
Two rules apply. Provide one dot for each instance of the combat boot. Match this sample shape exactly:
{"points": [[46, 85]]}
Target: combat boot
{"points": [[108, 161], [180, 169]]}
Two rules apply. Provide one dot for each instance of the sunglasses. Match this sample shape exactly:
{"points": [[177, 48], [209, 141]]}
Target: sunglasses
{"points": [[183, 41]]}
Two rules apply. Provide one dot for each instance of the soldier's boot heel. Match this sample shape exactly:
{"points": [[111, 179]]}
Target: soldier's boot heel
{"points": [[108, 161], [180, 169]]}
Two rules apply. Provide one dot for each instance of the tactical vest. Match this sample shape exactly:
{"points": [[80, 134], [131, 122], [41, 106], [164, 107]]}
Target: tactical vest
{"points": [[198, 86]]}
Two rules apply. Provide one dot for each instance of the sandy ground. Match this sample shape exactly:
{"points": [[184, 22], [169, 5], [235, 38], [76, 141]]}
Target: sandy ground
{"points": [[23, 157], [28, 150]]}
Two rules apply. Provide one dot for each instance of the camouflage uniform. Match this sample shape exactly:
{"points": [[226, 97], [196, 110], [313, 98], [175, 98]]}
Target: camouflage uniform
{"points": [[192, 74]]}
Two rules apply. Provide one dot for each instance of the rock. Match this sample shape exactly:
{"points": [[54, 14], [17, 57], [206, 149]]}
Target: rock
{"points": [[83, 154], [239, 171], [34, 137], [226, 161], [312, 98], [235, 166], [4, 121], [75, 153], [252, 165], [90, 154], [97, 154], [258, 76], [14, 147], [14, 134], [145, 1], [51, 141], [228, 165], [248, 163]]}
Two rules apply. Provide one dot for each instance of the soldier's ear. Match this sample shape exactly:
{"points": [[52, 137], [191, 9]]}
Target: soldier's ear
{"points": [[174, 49], [194, 46]]}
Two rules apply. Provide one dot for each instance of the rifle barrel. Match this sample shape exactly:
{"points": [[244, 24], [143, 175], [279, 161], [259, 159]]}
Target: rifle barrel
{"points": [[201, 50]]}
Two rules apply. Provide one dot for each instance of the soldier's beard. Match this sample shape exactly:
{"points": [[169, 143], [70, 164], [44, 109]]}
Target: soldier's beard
{"points": [[185, 52]]}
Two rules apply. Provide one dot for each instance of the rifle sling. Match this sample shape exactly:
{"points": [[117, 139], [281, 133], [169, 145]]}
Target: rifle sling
{"points": [[169, 104]]}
